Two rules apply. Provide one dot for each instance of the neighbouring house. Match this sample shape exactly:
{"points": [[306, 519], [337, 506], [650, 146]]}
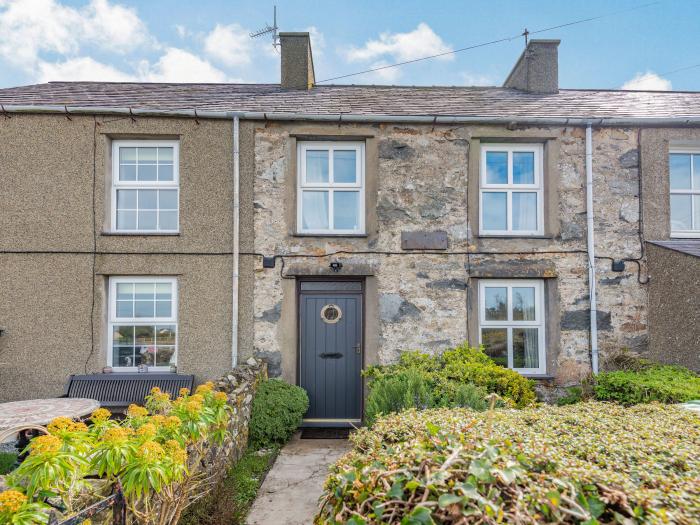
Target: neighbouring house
{"points": [[329, 227]]}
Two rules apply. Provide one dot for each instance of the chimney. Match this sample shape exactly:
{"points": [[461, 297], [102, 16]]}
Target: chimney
{"points": [[297, 62], [537, 69]]}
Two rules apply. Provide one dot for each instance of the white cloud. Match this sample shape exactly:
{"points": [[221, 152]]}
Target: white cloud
{"points": [[178, 65], [182, 31], [420, 42], [475, 79], [229, 45], [648, 81], [175, 65], [114, 27], [33, 27], [318, 41], [81, 68]]}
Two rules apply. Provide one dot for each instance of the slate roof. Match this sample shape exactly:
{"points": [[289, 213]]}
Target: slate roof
{"points": [[361, 100], [687, 246]]}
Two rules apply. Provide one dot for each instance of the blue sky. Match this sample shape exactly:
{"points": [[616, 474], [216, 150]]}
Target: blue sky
{"points": [[207, 40]]}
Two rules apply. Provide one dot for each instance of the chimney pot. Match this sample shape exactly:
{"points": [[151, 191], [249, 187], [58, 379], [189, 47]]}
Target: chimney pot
{"points": [[537, 69], [297, 61]]}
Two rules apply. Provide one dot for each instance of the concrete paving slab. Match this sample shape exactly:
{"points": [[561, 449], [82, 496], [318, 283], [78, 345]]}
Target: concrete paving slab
{"points": [[289, 495]]}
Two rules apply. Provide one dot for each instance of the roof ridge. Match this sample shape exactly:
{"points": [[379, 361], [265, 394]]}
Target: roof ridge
{"points": [[74, 82]]}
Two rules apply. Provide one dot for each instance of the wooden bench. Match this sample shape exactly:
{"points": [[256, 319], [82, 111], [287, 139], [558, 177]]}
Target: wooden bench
{"points": [[117, 391]]}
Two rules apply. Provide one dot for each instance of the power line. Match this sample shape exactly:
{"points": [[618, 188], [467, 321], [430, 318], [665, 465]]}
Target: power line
{"points": [[492, 42], [679, 70]]}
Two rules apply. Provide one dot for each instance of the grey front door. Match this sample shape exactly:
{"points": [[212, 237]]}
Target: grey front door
{"points": [[330, 349]]}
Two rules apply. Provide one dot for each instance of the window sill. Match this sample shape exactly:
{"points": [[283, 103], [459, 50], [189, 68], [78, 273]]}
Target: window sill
{"points": [[685, 235], [135, 371], [539, 237], [346, 235], [139, 234], [538, 377]]}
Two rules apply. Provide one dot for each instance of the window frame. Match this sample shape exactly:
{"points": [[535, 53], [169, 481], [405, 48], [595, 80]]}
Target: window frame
{"points": [[331, 187], [692, 233], [139, 321], [144, 185], [509, 188], [540, 321]]}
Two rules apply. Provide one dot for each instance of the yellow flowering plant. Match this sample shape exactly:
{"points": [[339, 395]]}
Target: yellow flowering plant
{"points": [[101, 421], [158, 402], [155, 453], [53, 466], [17, 509], [113, 452]]}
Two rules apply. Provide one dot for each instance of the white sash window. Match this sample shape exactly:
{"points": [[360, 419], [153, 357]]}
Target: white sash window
{"points": [[331, 188], [511, 323]]}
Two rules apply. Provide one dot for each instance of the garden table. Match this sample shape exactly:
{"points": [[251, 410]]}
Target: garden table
{"points": [[42, 411]]}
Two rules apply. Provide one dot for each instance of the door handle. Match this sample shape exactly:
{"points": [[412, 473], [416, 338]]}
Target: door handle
{"points": [[330, 355]]}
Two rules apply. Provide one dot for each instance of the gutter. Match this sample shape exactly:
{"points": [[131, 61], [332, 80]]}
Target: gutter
{"points": [[590, 225], [236, 238], [347, 117]]}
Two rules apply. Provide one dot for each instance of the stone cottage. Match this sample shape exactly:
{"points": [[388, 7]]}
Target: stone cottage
{"points": [[184, 227]]}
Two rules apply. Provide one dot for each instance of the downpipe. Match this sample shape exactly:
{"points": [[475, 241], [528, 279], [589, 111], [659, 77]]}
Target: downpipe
{"points": [[235, 227], [591, 250]]}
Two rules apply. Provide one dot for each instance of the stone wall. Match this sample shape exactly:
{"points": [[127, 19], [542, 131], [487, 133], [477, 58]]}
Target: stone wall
{"points": [[240, 384], [419, 181]]}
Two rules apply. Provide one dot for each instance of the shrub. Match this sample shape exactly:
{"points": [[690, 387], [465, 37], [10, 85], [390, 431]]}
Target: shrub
{"points": [[278, 409], [461, 395], [653, 382], [413, 388], [587, 463], [467, 364], [462, 365], [408, 388], [574, 394]]}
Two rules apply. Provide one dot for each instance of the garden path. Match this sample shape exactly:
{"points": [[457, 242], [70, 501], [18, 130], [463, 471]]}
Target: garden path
{"points": [[289, 495]]}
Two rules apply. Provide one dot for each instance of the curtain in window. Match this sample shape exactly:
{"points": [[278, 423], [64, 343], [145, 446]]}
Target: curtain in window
{"points": [[315, 210], [524, 211], [531, 351]]}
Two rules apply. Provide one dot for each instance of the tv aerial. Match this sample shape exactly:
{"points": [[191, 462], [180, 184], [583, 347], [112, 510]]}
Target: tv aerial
{"points": [[270, 30]]}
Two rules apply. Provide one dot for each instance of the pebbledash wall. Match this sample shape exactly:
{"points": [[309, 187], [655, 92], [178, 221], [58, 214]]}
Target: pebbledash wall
{"points": [[424, 178], [54, 320]]}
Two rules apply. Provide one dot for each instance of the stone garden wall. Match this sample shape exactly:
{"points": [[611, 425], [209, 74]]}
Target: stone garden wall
{"points": [[240, 384]]}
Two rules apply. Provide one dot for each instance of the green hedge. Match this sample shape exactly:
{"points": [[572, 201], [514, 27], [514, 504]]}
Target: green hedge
{"points": [[588, 463], [278, 409], [651, 382], [445, 377]]}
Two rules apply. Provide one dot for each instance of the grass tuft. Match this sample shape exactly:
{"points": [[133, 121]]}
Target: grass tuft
{"points": [[230, 502], [7, 462]]}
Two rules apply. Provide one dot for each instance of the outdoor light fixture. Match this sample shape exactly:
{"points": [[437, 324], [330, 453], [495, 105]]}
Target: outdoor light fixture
{"points": [[618, 266], [336, 266]]}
